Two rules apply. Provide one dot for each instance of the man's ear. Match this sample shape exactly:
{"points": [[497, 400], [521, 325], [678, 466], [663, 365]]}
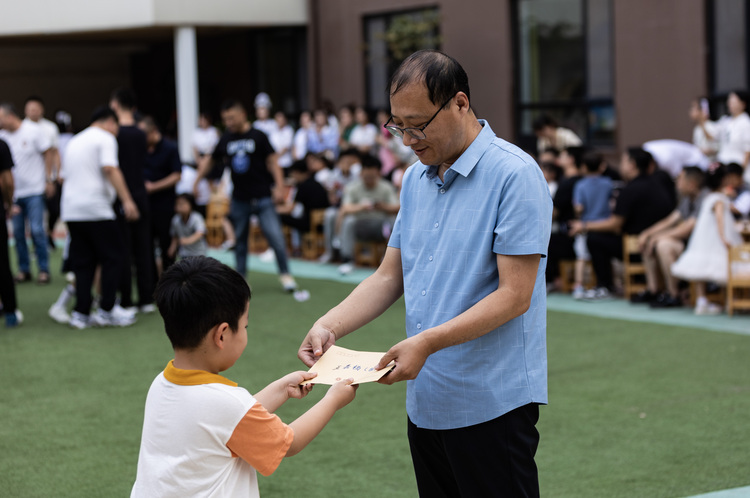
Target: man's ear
{"points": [[218, 333], [462, 101]]}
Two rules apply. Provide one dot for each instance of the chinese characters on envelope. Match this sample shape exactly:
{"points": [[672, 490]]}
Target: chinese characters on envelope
{"points": [[338, 364]]}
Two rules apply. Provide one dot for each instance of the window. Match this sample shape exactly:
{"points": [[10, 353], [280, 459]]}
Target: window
{"points": [[728, 22], [564, 67], [389, 39]]}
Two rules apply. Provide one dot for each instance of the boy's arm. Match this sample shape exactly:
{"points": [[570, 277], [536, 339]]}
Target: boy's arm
{"points": [[279, 391], [191, 239]]}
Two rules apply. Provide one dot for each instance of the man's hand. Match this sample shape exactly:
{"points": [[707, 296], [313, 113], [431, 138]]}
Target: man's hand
{"points": [[130, 210], [49, 189], [149, 186], [410, 355], [317, 342], [278, 194], [575, 227]]}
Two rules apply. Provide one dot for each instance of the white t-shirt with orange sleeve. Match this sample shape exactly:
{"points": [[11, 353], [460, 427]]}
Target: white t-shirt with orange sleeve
{"points": [[204, 436]]}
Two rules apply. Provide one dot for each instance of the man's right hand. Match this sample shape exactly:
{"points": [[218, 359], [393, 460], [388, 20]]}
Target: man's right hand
{"points": [[130, 210], [317, 342]]}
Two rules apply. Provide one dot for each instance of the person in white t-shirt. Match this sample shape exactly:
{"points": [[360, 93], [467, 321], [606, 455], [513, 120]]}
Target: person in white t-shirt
{"points": [[705, 131], [364, 135], [734, 133], [264, 122], [34, 111], [282, 140], [551, 135], [91, 181], [299, 149], [205, 138], [33, 176]]}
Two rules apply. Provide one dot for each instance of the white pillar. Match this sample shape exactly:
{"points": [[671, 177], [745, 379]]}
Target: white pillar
{"points": [[186, 84]]}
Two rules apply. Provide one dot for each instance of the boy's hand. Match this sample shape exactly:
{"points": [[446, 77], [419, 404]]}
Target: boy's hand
{"points": [[342, 393], [292, 383], [317, 342]]}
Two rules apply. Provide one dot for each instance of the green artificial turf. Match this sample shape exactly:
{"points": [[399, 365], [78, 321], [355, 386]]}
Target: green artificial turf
{"points": [[636, 409]]}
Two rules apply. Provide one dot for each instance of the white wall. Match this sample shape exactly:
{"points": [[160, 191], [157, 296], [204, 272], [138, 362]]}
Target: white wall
{"points": [[38, 17]]}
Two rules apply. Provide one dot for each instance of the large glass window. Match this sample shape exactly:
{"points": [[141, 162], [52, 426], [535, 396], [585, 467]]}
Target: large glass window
{"points": [[728, 23], [564, 67], [389, 39]]}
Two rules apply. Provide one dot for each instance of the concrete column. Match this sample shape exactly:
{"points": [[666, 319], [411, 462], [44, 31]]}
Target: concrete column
{"points": [[186, 84]]}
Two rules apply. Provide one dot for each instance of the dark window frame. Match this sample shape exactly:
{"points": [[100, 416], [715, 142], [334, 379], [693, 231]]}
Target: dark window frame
{"points": [[718, 98]]}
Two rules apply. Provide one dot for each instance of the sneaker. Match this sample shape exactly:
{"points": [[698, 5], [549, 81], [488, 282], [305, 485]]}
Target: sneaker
{"points": [[288, 282], [227, 245], [147, 308], [325, 258], [579, 292], [79, 321], [346, 268], [268, 256], [58, 313], [645, 296], [666, 301], [708, 309], [119, 310], [13, 319], [112, 318], [598, 294]]}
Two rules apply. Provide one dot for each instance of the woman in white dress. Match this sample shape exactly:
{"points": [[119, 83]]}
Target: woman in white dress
{"points": [[705, 258]]}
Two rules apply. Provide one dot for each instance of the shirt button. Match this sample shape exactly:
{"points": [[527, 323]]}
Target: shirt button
{"points": [[442, 190], [437, 224], [419, 326], [424, 292], [430, 258]]}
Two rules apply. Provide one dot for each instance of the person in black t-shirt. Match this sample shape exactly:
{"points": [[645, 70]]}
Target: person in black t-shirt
{"points": [[258, 185], [138, 244], [161, 173], [643, 201], [7, 287], [310, 195]]}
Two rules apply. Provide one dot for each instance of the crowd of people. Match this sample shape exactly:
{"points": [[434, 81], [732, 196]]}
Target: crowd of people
{"points": [[687, 203], [131, 206]]}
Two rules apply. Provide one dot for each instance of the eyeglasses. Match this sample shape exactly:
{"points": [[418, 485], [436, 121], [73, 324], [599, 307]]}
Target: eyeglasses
{"points": [[417, 133]]}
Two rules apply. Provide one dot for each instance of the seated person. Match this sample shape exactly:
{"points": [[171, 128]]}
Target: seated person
{"points": [[642, 202], [737, 191], [369, 203], [591, 196], [202, 434], [550, 134], [346, 171], [308, 195], [188, 229], [662, 243]]}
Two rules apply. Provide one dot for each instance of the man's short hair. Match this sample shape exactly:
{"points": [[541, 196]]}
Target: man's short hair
{"points": [[299, 166], [695, 174], [33, 98], [735, 169], [370, 161], [576, 152], [351, 151], [125, 97], [149, 123], [441, 74], [231, 104], [103, 113], [543, 121], [9, 108], [642, 159], [592, 161], [195, 294]]}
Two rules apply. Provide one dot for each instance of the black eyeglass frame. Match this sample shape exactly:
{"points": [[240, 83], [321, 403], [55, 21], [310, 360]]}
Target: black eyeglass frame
{"points": [[414, 132]]}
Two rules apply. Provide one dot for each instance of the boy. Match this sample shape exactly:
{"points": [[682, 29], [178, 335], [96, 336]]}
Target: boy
{"points": [[591, 197], [188, 229], [203, 435]]}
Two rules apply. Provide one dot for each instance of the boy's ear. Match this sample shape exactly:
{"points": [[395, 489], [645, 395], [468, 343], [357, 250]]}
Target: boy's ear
{"points": [[218, 334]]}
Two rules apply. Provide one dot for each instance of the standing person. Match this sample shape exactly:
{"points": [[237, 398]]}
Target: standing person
{"points": [[258, 186], [91, 182], [138, 243], [33, 109], [467, 254], [734, 133], [705, 132], [13, 315], [161, 173], [33, 179]]}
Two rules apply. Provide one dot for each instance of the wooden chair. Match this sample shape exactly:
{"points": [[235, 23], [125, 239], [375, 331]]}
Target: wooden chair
{"points": [[256, 241], [738, 279], [634, 271], [313, 242], [369, 253], [217, 209], [567, 276]]}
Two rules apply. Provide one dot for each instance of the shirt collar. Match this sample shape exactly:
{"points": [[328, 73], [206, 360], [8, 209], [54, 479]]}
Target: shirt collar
{"points": [[193, 377], [466, 161]]}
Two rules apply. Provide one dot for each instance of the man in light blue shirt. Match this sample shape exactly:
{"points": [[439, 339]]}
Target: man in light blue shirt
{"points": [[467, 251]]}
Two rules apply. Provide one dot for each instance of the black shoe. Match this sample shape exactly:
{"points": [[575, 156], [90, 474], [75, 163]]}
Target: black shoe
{"points": [[643, 297], [667, 301]]}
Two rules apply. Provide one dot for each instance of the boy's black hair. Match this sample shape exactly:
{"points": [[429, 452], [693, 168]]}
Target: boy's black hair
{"points": [[735, 169], [592, 161], [642, 159], [576, 152], [542, 121], [125, 97], [551, 150], [300, 166], [370, 161], [187, 197], [351, 151], [694, 173], [442, 75], [715, 176], [195, 294], [102, 113], [553, 169]]}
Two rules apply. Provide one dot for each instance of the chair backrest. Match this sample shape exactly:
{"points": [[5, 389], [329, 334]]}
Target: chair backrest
{"points": [[739, 265], [629, 246]]}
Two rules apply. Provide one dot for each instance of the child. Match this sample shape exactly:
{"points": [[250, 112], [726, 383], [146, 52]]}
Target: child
{"points": [[705, 258], [203, 435], [188, 229], [591, 196]]}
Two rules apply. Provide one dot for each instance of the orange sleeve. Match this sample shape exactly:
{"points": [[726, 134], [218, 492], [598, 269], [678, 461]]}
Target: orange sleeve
{"points": [[261, 439]]}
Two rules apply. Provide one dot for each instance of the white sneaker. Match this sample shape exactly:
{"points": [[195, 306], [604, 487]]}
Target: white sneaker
{"points": [[708, 309], [579, 292], [119, 310], [79, 321], [147, 308], [288, 282], [112, 318], [58, 313], [227, 245], [325, 258], [346, 268], [598, 294], [268, 256]]}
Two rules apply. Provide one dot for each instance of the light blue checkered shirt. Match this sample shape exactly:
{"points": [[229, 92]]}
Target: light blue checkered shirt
{"points": [[494, 200]]}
